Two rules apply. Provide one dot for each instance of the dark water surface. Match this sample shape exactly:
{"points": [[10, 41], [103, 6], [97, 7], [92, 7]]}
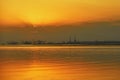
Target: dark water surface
{"points": [[60, 63]]}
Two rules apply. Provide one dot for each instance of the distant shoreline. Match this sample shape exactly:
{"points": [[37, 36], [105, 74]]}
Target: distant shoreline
{"points": [[43, 45]]}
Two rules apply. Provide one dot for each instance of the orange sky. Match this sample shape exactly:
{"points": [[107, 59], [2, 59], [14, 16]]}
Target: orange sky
{"points": [[57, 11]]}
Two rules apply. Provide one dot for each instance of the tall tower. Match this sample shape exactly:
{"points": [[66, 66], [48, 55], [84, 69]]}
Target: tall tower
{"points": [[70, 39], [75, 39]]}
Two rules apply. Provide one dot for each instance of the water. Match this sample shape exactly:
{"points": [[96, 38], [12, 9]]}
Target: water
{"points": [[60, 63]]}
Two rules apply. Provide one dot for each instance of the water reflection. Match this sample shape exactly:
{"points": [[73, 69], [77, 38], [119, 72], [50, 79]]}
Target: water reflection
{"points": [[59, 63]]}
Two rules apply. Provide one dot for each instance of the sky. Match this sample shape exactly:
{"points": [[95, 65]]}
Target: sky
{"points": [[50, 19], [58, 11]]}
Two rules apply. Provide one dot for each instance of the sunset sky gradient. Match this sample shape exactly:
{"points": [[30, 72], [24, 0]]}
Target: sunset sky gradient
{"points": [[39, 12]]}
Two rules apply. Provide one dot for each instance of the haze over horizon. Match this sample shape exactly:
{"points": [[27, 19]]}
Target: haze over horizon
{"points": [[92, 31]]}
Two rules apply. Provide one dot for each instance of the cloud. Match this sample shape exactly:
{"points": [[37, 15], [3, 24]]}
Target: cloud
{"points": [[100, 30]]}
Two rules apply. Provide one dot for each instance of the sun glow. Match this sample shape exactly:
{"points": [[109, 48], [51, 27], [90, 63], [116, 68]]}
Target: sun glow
{"points": [[61, 11]]}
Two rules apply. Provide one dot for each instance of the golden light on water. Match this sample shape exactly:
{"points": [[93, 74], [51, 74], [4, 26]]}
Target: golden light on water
{"points": [[40, 70], [58, 63]]}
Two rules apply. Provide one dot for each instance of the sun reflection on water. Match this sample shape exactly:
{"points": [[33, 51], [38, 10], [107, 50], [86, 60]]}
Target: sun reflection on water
{"points": [[58, 64]]}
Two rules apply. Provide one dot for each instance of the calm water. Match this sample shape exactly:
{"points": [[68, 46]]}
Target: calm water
{"points": [[60, 63]]}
